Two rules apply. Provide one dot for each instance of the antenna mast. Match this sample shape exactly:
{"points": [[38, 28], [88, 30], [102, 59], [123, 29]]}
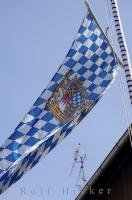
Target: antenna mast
{"points": [[79, 159], [123, 45]]}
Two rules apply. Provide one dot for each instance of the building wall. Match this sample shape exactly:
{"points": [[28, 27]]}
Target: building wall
{"points": [[117, 179], [121, 183]]}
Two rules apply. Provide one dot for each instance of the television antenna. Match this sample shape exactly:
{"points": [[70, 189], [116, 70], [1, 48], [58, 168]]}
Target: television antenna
{"points": [[79, 160]]}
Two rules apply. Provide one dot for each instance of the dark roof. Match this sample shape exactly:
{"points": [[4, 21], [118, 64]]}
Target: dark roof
{"points": [[120, 152]]}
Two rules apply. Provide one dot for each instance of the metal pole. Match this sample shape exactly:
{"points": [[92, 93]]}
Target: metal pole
{"points": [[123, 46]]}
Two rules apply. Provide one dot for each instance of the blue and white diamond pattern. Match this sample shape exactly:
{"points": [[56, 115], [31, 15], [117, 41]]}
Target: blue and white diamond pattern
{"points": [[77, 100], [90, 58]]}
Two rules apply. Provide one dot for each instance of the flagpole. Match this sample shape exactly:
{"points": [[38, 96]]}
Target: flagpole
{"points": [[126, 64], [123, 46]]}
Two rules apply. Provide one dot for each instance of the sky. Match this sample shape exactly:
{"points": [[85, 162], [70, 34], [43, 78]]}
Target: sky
{"points": [[35, 36]]}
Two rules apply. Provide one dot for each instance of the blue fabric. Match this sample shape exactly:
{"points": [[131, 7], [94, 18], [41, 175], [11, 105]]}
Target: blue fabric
{"points": [[90, 59]]}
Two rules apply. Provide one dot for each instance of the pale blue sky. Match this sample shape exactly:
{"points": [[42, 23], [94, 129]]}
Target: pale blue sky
{"points": [[35, 36]]}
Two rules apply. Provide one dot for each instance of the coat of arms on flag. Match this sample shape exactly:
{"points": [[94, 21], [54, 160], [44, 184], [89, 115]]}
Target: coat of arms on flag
{"points": [[80, 82], [69, 99]]}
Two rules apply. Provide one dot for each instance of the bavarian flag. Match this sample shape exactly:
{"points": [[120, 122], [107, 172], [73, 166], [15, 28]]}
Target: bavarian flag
{"points": [[87, 71]]}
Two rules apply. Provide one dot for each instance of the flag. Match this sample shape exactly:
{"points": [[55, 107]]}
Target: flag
{"points": [[87, 71]]}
